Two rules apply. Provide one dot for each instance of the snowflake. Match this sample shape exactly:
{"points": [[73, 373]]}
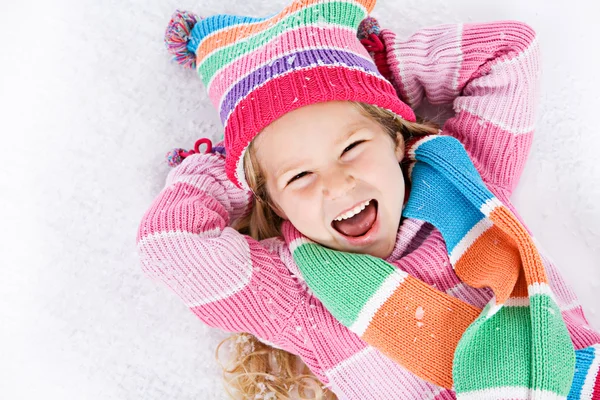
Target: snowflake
{"points": [[247, 349], [419, 313], [242, 339]]}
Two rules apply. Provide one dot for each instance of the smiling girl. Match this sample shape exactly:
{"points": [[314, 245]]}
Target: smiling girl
{"points": [[333, 228]]}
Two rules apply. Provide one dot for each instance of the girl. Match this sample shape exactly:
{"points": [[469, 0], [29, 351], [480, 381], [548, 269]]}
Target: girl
{"points": [[333, 226]]}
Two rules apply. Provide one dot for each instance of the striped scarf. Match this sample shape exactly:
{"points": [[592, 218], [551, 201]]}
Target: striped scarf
{"points": [[517, 347]]}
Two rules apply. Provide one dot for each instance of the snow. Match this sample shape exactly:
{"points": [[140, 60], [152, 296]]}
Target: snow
{"points": [[419, 313], [89, 106]]}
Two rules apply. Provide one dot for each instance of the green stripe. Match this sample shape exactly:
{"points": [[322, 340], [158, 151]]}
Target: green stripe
{"points": [[498, 352], [553, 347], [344, 282], [337, 13], [494, 352]]}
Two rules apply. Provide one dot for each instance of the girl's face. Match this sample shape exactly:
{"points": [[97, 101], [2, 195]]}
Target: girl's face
{"points": [[334, 173]]}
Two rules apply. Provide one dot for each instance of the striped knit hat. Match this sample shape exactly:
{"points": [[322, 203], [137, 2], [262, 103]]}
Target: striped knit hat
{"points": [[257, 69]]}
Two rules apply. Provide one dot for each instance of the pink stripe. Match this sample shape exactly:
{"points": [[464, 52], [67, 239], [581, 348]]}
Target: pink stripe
{"points": [[295, 90], [264, 306], [581, 333], [430, 263], [212, 269], [563, 293], [504, 91], [168, 213], [504, 40], [341, 343], [446, 395], [368, 373], [498, 155], [288, 42], [406, 62]]}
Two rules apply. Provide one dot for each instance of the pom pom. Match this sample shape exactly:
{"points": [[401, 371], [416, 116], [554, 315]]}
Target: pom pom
{"points": [[368, 26], [177, 37], [174, 157]]}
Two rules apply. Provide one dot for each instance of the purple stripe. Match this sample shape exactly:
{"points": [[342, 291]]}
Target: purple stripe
{"points": [[419, 238], [289, 62]]}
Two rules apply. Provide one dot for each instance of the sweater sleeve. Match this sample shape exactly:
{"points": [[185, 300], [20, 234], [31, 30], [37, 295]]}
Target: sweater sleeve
{"points": [[490, 73], [227, 279]]}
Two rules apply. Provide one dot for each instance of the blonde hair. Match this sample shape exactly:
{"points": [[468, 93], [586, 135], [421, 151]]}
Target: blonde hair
{"points": [[259, 371]]}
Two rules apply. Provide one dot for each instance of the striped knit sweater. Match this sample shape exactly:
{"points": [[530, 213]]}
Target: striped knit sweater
{"points": [[490, 72]]}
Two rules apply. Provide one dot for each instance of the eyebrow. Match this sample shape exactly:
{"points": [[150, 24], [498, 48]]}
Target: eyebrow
{"points": [[352, 129]]}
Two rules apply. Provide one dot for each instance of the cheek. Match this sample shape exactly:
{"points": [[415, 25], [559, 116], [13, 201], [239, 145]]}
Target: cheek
{"points": [[302, 209], [385, 175], [380, 169]]}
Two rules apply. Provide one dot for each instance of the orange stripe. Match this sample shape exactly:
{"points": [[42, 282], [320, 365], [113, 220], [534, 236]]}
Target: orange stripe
{"points": [[499, 256], [520, 289], [424, 346], [236, 33], [491, 261], [530, 257]]}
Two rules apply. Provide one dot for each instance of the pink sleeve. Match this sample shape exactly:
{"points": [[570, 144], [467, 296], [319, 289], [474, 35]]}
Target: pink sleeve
{"points": [[227, 279], [490, 73]]}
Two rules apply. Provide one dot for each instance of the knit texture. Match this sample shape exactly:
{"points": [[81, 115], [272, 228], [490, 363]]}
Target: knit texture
{"points": [[517, 347], [490, 73], [258, 69]]}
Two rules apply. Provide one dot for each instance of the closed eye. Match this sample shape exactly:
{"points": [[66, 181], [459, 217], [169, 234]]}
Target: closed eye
{"points": [[353, 145], [300, 175]]}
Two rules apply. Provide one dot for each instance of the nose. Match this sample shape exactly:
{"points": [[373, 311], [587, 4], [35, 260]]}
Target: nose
{"points": [[337, 183]]}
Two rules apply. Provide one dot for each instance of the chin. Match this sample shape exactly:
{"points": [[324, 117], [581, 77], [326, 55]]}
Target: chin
{"points": [[383, 250], [378, 249]]}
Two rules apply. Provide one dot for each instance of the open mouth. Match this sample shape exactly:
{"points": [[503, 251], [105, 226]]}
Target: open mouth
{"points": [[358, 221]]}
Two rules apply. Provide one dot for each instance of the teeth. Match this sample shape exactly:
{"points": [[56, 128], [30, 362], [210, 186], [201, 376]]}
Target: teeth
{"points": [[354, 211]]}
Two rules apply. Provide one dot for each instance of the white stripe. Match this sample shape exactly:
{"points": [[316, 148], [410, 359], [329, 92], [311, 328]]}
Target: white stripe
{"points": [[454, 290], [459, 30], [494, 307], [517, 301], [269, 26], [476, 231], [294, 244], [282, 55], [371, 371], [239, 169], [489, 206], [540, 288], [344, 364], [509, 392], [265, 341], [196, 180], [179, 235], [366, 314], [592, 373], [418, 143], [570, 306], [518, 59], [188, 276], [521, 70]]}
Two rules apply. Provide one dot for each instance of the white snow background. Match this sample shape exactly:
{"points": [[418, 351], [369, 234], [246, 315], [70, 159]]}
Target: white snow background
{"points": [[89, 105]]}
